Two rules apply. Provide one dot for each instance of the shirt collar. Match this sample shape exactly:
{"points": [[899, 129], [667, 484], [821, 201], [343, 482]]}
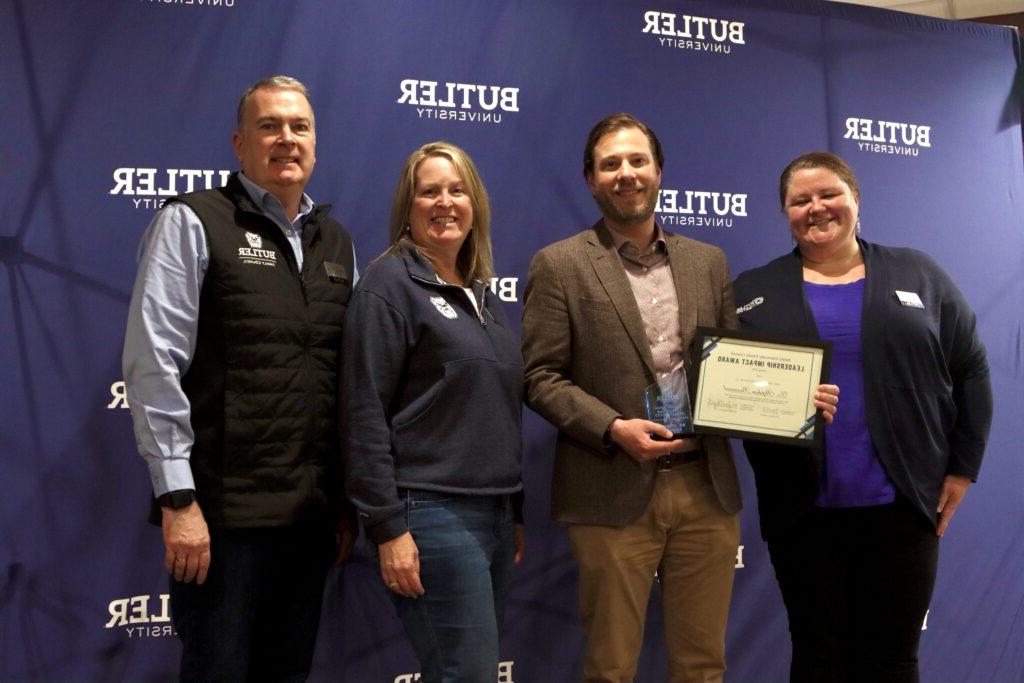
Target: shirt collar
{"points": [[622, 244], [271, 205]]}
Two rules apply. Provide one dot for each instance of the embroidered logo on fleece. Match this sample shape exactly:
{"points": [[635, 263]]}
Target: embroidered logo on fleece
{"points": [[444, 307]]}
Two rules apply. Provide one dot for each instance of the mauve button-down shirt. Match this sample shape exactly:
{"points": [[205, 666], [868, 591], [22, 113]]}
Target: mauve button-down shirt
{"points": [[650, 276]]}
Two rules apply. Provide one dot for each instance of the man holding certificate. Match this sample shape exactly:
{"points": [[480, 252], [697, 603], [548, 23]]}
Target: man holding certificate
{"points": [[610, 315]]}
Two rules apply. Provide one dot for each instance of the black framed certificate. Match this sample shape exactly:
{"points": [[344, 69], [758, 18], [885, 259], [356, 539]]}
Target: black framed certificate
{"points": [[759, 386]]}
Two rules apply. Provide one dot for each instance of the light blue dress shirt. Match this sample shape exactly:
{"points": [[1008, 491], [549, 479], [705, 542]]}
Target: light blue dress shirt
{"points": [[163, 320]]}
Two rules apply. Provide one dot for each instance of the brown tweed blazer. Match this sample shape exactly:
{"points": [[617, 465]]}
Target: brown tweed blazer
{"points": [[588, 362]]}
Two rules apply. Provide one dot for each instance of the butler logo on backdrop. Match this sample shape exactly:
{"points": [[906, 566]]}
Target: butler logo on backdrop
{"points": [[687, 32], [505, 288], [887, 137], [458, 101], [197, 3], [141, 616], [148, 188], [118, 396], [504, 675], [700, 208]]}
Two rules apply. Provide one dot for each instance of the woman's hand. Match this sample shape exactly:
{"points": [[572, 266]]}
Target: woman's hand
{"points": [[954, 489], [826, 397], [400, 566]]}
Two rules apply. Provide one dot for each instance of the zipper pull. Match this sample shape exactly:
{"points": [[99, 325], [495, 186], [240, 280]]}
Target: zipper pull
{"points": [[480, 310]]}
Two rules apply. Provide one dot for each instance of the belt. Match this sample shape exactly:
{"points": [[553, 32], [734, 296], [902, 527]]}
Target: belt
{"points": [[691, 453]]}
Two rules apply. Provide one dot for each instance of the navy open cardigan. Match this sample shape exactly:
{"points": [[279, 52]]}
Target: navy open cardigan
{"points": [[926, 379]]}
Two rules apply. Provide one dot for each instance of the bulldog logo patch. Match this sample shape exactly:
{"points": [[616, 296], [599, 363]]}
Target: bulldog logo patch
{"points": [[444, 307]]}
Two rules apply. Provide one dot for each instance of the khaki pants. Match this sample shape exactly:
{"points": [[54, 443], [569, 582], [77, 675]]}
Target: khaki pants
{"points": [[684, 536]]}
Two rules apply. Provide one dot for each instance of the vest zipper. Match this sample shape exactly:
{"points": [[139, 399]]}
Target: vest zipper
{"points": [[306, 350]]}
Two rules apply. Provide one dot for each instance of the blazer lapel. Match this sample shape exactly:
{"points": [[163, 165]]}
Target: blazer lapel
{"points": [[686, 274], [612, 276]]}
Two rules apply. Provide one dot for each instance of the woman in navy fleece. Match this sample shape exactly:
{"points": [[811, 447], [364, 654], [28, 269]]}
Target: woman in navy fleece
{"points": [[853, 531], [431, 391]]}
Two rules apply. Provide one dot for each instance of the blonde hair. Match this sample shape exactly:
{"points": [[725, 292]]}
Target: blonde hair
{"points": [[475, 260]]}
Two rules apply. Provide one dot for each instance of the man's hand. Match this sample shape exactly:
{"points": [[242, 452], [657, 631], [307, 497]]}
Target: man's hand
{"points": [[186, 543], [954, 489], [634, 437], [400, 566]]}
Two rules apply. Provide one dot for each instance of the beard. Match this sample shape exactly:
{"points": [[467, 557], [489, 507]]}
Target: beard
{"points": [[628, 215]]}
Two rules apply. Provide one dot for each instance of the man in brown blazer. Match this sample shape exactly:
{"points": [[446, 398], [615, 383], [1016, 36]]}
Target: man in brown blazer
{"points": [[606, 312]]}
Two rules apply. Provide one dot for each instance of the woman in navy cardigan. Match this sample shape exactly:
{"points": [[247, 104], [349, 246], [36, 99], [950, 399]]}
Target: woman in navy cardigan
{"points": [[853, 530]]}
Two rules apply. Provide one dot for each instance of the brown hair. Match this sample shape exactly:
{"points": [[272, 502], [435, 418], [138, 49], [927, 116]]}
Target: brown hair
{"points": [[825, 160], [613, 123]]}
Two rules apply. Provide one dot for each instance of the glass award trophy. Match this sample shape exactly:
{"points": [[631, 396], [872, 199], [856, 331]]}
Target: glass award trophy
{"points": [[668, 402]]}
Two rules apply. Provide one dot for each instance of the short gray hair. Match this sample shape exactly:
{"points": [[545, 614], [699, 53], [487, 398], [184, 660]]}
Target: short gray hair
{"points": [[271, 83]]}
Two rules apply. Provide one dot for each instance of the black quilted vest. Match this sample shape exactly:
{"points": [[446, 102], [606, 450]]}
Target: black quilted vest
{"points": [[263, 381]]}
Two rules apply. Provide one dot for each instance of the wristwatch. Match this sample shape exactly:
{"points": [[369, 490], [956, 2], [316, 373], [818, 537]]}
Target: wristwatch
{"points": [[176, 500]]}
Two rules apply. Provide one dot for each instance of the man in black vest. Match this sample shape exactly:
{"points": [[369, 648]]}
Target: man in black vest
{"points": [[231, 368]]}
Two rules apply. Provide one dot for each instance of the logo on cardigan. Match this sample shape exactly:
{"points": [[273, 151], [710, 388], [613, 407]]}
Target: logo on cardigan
{"points": [[444, 307], [254, 240], [753, 304]]}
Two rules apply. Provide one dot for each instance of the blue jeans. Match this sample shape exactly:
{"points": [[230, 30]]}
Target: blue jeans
{"points": [[466, 547]]}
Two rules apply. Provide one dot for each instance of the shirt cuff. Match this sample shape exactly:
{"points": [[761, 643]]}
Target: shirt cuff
{"points": [[610, 447], [170, 474]]}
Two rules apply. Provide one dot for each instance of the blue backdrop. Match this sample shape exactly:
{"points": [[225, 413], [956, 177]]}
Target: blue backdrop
{"points": [[118, 105]]}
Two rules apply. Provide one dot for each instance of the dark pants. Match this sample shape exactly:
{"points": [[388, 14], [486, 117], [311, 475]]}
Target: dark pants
{"points": [[857, 583], [466, 546], [256, 616]]}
